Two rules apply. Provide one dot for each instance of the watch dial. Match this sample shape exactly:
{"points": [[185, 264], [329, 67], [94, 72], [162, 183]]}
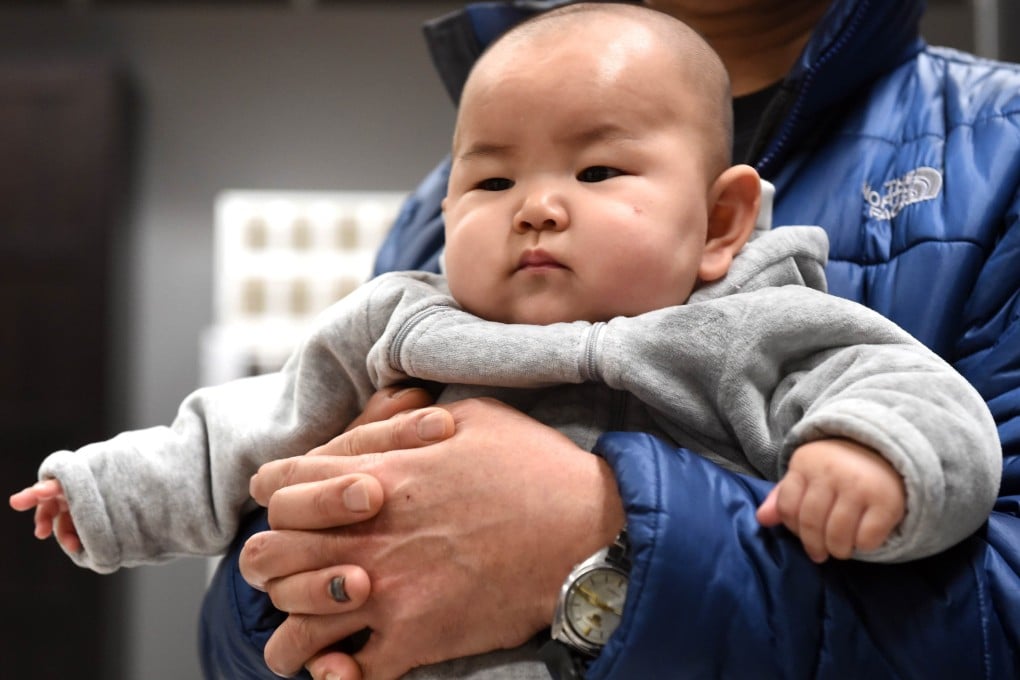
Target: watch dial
{"points": [[594, 604]]}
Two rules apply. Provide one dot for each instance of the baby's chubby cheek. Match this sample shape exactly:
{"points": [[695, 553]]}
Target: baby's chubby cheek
{"points": [[465, 290]]}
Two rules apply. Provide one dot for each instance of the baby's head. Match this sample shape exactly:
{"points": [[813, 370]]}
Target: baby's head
{"points": [[591, 172]]}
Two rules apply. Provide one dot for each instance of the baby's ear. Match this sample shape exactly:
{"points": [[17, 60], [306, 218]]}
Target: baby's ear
{"points": [[734, 201]]}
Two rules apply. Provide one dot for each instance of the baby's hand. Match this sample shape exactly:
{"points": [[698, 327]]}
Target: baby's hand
{"points": [[52, 515], [837, 496]]}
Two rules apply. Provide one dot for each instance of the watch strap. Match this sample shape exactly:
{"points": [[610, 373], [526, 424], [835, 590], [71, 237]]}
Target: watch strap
{"points": [[563, 662], [619, 551]]}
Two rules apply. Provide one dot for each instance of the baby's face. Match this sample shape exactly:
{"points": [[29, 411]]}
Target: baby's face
{"points": [[579, 188]]}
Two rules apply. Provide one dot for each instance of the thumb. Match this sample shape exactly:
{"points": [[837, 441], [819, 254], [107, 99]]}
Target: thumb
{"points": [[333, 666]]}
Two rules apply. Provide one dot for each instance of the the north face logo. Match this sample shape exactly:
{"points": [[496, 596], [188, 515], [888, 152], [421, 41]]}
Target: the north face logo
{"points": [[922, 184]]}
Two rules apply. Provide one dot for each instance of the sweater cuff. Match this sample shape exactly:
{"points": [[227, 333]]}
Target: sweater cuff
{"points": [[100, 551]]}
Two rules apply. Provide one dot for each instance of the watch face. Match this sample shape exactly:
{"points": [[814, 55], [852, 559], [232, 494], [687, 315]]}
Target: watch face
{"points": [[594, 604]]}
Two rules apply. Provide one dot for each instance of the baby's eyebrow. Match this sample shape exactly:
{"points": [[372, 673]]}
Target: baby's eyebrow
{"points": [[576, 137], [484, 150], [602, 132]]}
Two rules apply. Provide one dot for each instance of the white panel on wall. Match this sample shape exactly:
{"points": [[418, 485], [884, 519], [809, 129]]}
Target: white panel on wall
{"points": [[281, 257]]}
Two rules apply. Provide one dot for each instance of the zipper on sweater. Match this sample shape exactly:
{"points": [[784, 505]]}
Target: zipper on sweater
{"points": [[405, 329], [617, 408], [589, 361]]}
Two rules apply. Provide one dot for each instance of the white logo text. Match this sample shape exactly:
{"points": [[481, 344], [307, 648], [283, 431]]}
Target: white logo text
{"points": [[922, 184]]}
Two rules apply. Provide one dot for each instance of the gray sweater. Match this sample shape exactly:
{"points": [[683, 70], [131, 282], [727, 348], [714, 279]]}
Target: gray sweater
{"points": [[752, 367]]}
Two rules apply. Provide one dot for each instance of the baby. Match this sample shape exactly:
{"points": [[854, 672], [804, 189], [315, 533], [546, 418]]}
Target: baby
{"points": [[600, 274]]}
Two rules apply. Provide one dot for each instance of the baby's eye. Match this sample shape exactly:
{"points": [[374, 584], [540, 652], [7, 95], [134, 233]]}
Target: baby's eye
{"points": [[495, 184], [598, 173]]}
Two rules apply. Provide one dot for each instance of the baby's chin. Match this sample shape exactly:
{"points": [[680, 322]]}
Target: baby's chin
{"points": [[545, 310], [546, 317]]}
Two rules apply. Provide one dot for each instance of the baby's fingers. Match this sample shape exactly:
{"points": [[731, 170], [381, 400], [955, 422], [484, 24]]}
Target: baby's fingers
{"points": [[875, 527], [768, 511], [67, 534], [45, 512], [26, 499], [841, 529], [787, 497], [815, 508]]}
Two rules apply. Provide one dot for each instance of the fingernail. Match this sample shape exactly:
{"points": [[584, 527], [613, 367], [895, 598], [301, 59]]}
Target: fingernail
{"points": [[432, 427], [333, 676], [356, 497], [337, 590], [399, 393]]}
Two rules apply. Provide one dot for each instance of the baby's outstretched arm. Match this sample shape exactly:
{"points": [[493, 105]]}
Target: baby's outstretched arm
{"points": [[837, 496], [52, 515]]}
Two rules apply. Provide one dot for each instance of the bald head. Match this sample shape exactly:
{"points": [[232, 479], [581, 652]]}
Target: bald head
{"points": [[615, 35]]}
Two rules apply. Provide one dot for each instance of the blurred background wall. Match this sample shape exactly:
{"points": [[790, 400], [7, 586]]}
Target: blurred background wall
{"points": [[254, 95], [221, 95]]}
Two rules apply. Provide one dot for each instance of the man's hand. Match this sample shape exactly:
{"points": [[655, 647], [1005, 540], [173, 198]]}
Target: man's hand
{"points": [[485, 513], [837, 496]]}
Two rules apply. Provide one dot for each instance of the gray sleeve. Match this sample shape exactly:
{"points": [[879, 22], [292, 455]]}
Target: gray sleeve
{"points": [[750, 378], [149, 495], [777, 368], [437, 341]]}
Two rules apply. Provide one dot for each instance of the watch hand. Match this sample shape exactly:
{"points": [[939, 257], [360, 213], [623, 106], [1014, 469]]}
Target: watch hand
{"points": [[598, 601]]}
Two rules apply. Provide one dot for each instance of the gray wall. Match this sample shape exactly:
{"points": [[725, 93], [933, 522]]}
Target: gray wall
{"points": [[333, 98], [255, 98]]}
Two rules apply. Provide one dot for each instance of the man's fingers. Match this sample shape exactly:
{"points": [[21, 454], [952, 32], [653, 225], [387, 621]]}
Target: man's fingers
{"points": [[269, 555], [333, 590], [278, 474], [409, 430], [300, 637], [404, 431], [389, 401], [376, 660], [333, 502], [331, 665]]}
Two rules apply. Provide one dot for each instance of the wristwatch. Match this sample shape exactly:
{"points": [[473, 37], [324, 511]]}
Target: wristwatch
{"points": [[589, 610]]}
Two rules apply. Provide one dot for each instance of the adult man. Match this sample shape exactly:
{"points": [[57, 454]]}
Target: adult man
{"points": [[910, 158]]}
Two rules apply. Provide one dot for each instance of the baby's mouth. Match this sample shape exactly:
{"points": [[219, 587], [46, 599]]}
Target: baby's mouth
{"points": [[538, 259]]}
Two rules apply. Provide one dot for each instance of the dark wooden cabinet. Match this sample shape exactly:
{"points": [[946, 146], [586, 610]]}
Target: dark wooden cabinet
{"points": [[64, 140]]}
